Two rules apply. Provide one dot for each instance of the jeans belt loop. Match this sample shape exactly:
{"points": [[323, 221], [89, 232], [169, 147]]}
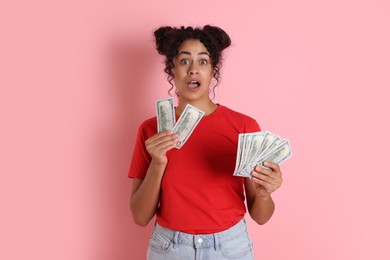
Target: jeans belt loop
{"points": [[216, 242], [175, 239]]}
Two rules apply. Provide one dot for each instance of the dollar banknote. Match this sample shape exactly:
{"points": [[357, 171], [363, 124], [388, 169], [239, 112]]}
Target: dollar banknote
{"points": [[278, 154], [256, 148], [165, 111], [186, 124]]}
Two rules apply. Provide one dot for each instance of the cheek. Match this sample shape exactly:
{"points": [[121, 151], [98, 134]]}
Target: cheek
{"points": [[207, 70], [178, 72]]}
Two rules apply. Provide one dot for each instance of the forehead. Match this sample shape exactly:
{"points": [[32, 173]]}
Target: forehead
{"points": [[192, 46]]}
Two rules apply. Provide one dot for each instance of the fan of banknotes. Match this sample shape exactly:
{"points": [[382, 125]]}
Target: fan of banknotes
{"points": [[256, 148], [253, 148], [185, 125]]}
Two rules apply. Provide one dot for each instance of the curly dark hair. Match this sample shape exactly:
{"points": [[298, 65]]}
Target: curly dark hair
{"points": [[168, 40]]}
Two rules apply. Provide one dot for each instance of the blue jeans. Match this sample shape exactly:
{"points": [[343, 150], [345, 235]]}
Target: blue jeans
{"points": [[233, 243]]}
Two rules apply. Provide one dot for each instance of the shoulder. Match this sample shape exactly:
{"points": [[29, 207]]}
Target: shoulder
{"points": [[235, 113], [148, 127], [149, 122], [247, 122]]}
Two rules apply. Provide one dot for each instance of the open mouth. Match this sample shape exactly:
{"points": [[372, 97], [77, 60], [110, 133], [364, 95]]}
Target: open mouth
{"points": [[193, 84]]}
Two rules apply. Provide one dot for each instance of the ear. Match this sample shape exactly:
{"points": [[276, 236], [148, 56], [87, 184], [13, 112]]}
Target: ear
{"points": [[173, 70]]}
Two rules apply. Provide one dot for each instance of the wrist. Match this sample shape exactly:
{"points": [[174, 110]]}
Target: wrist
{"points": [[160, 160], [158, 163], [262, 194]]}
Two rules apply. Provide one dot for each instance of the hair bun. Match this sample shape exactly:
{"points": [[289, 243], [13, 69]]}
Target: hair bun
{"points": [[162, 37], [221, 37]]}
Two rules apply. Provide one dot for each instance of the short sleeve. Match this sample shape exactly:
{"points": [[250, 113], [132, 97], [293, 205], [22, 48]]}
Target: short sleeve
{"points": [[141, 158], [252, 126]]}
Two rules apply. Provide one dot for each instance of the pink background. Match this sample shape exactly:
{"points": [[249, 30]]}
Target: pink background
{"points": [[77, 78]]}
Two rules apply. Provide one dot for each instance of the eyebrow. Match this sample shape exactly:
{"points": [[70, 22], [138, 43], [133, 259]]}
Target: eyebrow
{"points": [[189, 53]]}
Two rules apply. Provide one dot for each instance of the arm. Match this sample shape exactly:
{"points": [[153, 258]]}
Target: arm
{"points": [[258, 192], [145, 195]]}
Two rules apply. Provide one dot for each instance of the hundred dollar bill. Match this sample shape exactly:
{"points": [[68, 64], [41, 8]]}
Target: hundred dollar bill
{"points": [[246, 142], [255, 148], [186, 124], [165, 111], [240, 148], [278, 155], [248, 146], [274, 143], [251, 143], [269, 138], [241, 153]]}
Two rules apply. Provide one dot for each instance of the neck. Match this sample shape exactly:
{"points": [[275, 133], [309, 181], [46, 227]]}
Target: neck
{"points": [[208, 107]]}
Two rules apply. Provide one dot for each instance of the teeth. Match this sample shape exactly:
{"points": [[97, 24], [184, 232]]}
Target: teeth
{"points": [[193, 84]]}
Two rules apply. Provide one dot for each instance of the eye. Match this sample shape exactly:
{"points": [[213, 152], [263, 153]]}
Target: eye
{"points": [[184, 61], [203, 62]]}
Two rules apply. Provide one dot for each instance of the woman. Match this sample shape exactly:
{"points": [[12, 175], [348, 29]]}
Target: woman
{"points": [[198, 203]]}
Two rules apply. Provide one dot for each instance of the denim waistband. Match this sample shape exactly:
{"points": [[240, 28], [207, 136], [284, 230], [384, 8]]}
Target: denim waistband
{"points": [[202, 240]]}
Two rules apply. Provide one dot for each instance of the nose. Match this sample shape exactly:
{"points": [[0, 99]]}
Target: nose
{"points": [[193, 69]]}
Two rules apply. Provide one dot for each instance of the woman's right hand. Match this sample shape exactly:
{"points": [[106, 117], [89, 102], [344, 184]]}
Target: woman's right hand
{"points": [[159, 144]]}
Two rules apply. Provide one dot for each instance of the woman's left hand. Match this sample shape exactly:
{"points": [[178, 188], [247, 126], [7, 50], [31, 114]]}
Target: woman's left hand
{"points": [[267, 180]]}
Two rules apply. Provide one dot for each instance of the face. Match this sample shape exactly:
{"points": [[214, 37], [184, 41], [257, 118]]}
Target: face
{"points": [[192, 71]]}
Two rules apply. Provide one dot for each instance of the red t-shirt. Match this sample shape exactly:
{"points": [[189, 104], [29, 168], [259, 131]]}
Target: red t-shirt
{"points": [[199, 194]]}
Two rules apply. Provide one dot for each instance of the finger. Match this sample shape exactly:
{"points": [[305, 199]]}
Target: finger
{"points": [[167, 140], [270, 179], [259, 176], [160, 139], [163, 146], [275, 172], [167, 145], [274, 166], [263, 170], [269, 184], [159, 136]]}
